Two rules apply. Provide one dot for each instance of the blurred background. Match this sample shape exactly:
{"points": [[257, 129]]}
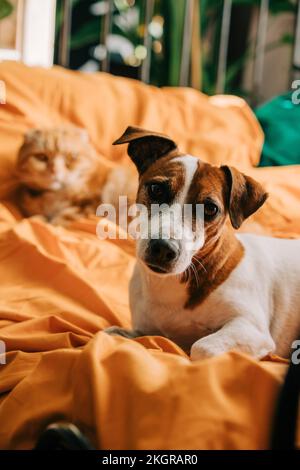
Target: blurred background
{"points": [[248, 48], [203, 20], [243, 47]]}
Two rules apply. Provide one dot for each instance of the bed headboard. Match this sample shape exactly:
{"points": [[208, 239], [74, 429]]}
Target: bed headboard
{"points": [[28, 33], [34, 23]]}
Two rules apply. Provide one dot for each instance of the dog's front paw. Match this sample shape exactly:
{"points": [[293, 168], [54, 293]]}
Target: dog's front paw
{"points": [[205, 348], [118, 331]]}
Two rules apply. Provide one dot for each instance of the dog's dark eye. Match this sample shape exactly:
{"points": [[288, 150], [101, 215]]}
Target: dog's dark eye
{"points": [[158, 191], [210, 210]]}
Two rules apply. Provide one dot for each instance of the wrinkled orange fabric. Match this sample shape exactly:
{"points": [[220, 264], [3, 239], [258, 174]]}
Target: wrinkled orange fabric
{"points": [[60, 287]]}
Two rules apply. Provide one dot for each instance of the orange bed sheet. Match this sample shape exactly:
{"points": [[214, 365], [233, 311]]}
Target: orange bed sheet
{"points": [[60, 287]]}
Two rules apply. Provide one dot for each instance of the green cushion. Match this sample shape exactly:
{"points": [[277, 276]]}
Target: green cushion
{"points": [[280, 120]]}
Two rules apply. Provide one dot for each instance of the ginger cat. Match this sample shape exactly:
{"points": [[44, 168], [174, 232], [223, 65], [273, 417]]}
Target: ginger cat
{"points": [[62, 177]]}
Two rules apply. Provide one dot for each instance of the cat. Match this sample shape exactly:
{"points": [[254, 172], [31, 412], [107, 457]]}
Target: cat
{"points": [[62, 178]]}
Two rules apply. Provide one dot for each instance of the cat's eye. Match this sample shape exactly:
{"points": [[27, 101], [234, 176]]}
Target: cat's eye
{"points": [[41, 157], [210, 210], [158, 192]]}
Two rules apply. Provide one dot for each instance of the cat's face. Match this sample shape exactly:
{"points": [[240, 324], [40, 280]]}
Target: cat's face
{"points": [[55, 159]]}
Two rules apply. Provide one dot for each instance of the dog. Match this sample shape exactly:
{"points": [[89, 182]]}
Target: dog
{"points": [[243, 292]]}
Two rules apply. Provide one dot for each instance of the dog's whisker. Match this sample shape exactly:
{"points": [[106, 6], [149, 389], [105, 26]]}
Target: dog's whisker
{"points": [[195, 274], [193, 270], [186, 275], [190, 272], [195, 258]]}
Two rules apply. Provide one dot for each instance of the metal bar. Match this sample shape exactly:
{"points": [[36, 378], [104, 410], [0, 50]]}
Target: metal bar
{"points": [[262, 30], [147, 42], [296, 53], [105, 31], [196, 49], [223, 50], [64, 40], [186, 43]]}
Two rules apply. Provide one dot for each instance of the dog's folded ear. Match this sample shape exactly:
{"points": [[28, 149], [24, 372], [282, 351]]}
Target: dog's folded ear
{"points": [[145, 147], [246, 195]]}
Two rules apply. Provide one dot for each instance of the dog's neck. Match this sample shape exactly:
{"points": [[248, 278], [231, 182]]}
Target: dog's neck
{"points": [[211, 266]]}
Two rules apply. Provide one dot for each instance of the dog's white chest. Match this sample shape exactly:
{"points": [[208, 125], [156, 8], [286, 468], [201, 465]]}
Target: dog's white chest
{"points": [[157, 308], [264, 289]]}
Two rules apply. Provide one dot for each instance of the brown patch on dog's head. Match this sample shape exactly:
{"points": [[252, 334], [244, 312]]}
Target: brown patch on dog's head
{"points": [[209, 188], [221, 251], [146, 147], [246, 195], [166, 173], [234, 194], [224, 190]]}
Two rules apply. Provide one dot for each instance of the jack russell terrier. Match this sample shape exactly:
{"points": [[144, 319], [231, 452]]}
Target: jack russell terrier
{"points": [[243, 291]]}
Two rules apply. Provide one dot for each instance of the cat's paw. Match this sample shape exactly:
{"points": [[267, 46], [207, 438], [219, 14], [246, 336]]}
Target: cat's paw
{"points": [[39, 218], [67, 216]]}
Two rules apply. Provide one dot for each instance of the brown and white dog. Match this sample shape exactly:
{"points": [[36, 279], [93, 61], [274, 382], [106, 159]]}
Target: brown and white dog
{"points": [[244, 293]]}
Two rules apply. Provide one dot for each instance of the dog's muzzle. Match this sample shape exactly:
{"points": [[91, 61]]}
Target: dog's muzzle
{"points": [[161, 254]]}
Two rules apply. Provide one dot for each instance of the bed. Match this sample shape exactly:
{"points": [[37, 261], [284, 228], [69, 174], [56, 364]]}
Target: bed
{"points": [[61, 287]]}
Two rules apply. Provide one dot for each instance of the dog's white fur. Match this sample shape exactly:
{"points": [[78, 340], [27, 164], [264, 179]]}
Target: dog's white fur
{"points": [[171, 223], [256, 310]]}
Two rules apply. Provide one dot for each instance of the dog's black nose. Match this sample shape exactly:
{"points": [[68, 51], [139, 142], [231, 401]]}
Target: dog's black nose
{"points": [[163, 252]]}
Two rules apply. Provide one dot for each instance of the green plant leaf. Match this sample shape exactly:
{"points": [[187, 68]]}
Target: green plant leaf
{"points": [[288, 39], [278, 6], [86, 35], [6, 8]]}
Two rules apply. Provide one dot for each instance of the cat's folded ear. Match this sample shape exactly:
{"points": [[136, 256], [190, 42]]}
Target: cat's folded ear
{"points": [[145, 147], [32, 134]]}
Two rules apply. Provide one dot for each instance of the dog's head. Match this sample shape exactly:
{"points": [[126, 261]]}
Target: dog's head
{"points": [[169, 182]]}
